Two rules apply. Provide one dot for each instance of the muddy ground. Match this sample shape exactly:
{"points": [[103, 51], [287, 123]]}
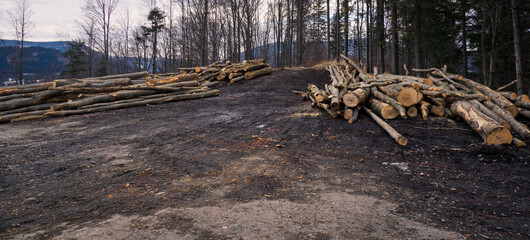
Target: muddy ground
{"points": [[256, 162]]}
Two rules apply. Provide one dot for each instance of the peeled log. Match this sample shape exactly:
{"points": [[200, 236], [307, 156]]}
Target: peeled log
{"points": [[491, 131], [258, 73], [424, 110], [406, 96], [391, 131], [178, 78], [383, 109], [356, 97]]}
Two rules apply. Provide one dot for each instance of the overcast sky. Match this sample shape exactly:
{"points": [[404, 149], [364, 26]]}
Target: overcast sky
{"points": [[56, 19]]}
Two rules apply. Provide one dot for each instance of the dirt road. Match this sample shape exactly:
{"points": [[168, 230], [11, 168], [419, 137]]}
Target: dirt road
{"points": [[256, 162]]}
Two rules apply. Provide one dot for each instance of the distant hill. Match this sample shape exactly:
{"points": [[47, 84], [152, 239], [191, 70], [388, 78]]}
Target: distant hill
{"points": [[62, 46], [40, 63]]}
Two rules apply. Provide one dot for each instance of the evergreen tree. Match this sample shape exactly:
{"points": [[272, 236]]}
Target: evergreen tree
{"points": [[76, 54]]}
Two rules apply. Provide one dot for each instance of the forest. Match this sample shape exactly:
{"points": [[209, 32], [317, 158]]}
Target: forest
{"points": [[486, 40]]}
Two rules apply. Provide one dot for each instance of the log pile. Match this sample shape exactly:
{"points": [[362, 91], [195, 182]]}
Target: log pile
{"points": [[64, 97], [225, 71], [440, 94]]}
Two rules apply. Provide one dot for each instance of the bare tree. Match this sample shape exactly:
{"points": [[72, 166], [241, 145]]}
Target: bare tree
{"points": [[101, 12], [20, 19], [517, 44]]}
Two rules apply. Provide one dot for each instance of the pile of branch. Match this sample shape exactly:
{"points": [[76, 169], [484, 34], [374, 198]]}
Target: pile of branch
{"points": [[224, 71], [79, 96], [440, 94]]}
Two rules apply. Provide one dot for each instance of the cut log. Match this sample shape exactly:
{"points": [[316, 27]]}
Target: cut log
{"points": [[490, 113], [517, 127], [328, 109], [317, 94], [406, 96], [179, 78], [412, 111], [523, 98], [391, 131], [38, 98], [348, 113], [438, 111], [258, 73], [385, 98], [355, 116], [8, 118], [512, 96], [383, 109], [103, 98], [522, 104], [492, 132], [111, 106], [356, 97], [80, 83], [496, 97], [11, 91], [424, 106], [525, 113], [31, 108], [519, 143]]}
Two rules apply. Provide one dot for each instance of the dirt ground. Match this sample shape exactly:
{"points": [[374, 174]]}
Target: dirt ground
{"points": [[257, 162]]}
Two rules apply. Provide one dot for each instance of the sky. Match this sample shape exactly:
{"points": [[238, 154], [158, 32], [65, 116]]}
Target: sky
{"points": [[55, 20]]}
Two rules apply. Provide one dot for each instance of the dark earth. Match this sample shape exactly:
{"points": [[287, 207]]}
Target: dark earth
{"points": [[257, 162]]}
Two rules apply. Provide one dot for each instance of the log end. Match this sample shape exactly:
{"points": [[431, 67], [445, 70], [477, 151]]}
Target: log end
{"points": [[402, 141], [500, 136], [389, 112], [409, 96], [412, 111], [513, 110], [350, 100]]}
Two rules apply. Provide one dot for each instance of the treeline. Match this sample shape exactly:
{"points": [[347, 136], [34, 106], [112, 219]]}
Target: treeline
{"points": [[475, 38]]}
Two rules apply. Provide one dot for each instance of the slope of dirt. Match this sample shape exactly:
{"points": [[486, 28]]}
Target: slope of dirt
{"points": [[256, 162]]}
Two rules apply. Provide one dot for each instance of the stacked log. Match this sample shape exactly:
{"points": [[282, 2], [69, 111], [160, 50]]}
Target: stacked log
{"points": [[224, 71], [386, 96], [64, 97]]}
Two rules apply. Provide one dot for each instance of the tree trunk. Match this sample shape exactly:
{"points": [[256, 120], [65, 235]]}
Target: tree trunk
{"points": [[346, 26], [329, 30], [395, 38], [517, 44], [383, 109], [381, 35]]}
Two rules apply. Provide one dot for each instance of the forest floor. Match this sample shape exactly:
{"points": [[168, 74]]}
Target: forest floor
{"points": [[257, 162]]}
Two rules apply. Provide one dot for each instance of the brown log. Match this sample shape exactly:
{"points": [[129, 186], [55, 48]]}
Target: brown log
{"points": [[112, 106], [31, 108], [348, 113], [517, 142], [235, 75], [383, 109], [524, 113], [406, 96], [438, 111], [391, 131], [385, 98], [523, 98], [258, 73], [81, 83], [317, 94], [22, 90], [496, 97], [15, 96], [255, 67], [328, 109], [132, 76], [8, 118], [424, 106], [512, 96], [522, 104], [412, 111], [517, 127], [237, 79], [490, 113], [28, 118], [356, 97], [38, 98], [492, 132], [355, 116], [179, 78], [507, 85], [103, 98]]}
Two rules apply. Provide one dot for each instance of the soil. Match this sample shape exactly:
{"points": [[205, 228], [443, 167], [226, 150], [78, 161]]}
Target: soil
{"points": [[257, 162]]}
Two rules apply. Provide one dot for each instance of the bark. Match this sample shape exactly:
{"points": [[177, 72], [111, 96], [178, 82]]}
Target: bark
{"points": [[385, 98], [395, 38], [496, 97], [517, 127], [406, 96], [178, 78], [356, 97], [258, 73], [383, 109], [391, 131], [492, 132]]}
